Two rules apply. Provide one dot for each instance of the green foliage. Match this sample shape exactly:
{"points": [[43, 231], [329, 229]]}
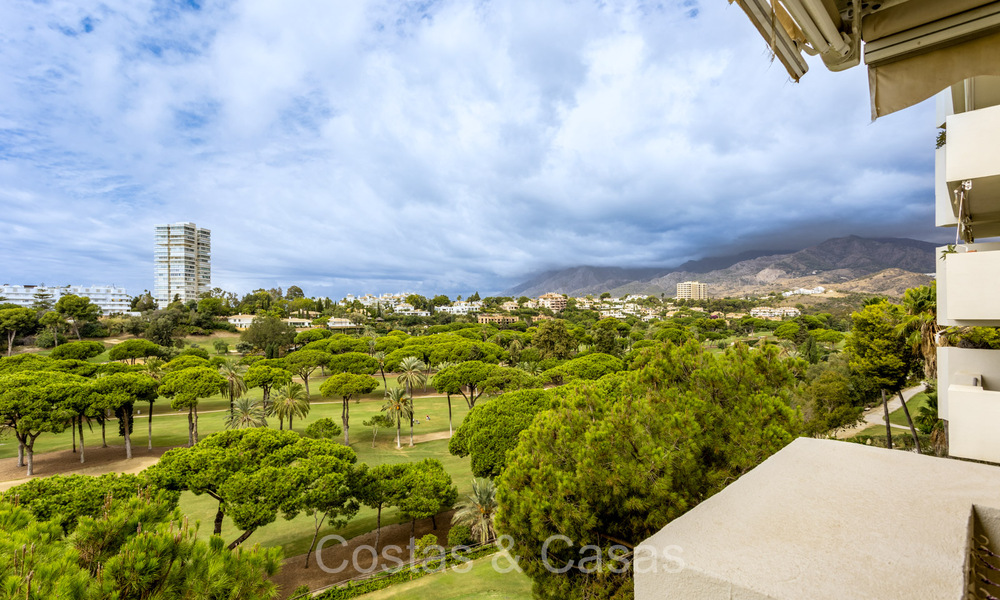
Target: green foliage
{"points": [[186, 362], [322, 429], [194, 351], [875, 350], [77, 350], [589, 367], [619, 458], [14, 321], [423, 545], [131, 350], [509, 379], [78, 309], [491, 429], [553, 340], [47, 339], [312, 335], [466, 378], [352, 362], [64, 499], [788, 330], [832, 396], [267, 331], [428, 490], [459, 535], [186, 386]]}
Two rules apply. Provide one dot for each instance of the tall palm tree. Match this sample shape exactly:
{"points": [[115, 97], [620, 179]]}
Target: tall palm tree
{"points": [[235, 386], [479, 509], [246, 413], [919, 325], [411, 375], [514, 348], [291, 402], [380, 359], [398, 406], [441, 367]]}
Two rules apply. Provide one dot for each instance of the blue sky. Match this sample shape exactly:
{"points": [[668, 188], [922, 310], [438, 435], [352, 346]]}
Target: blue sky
{"points": [[436, 146]]}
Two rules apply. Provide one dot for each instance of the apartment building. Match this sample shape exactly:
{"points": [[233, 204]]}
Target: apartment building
{"points": [[775, 314], [692, 290], [497, 319], [111, 299], [182, 258], [824, 519], [552, 301]]}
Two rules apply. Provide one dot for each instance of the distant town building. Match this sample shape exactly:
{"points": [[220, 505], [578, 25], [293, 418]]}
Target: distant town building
{"points": [[774, 314], [804, 291], [498, 319], [552, 301], [182, 260], [110, 298], [692, 290], [510, 305], [461, 307]]}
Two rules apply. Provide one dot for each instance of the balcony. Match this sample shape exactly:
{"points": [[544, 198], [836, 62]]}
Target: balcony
{"points": [[969, 285], [973, 143], [823, 519]]}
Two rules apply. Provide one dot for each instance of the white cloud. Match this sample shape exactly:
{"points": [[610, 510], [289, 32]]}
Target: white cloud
{"points": [[445, 146]]}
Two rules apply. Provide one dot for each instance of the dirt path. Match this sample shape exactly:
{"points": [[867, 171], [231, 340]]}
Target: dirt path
{"points": [[876, 415], [61, 462], [293, 572]]}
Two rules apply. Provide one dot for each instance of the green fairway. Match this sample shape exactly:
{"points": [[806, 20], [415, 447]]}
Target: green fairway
{"points": [[483, 582]]}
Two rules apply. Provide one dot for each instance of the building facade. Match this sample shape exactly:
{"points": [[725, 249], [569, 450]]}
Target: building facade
{"points": [[692, 290], [183, 262], [110, 298], [552, 301]]}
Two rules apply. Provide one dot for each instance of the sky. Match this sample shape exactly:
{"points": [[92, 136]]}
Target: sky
{"points": [[431, 146]]}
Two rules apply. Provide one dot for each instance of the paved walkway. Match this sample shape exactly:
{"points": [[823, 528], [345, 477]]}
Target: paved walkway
{"points": [[876, 415]]}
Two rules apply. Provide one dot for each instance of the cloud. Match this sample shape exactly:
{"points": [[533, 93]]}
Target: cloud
{"points": [[441, 146]]}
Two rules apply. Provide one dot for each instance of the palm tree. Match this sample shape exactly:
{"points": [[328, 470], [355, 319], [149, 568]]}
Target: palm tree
{"points": [[235, 386], [380, 358], [479, 509], [291, 402], [919, 325], [246, 413], [441, 367], [531, 368], [398, 406], [514, 348], [411, 375]]}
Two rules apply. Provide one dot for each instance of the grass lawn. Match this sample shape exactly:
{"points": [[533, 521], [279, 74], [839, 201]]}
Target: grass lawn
{"points": [[481, 583], [898, 417]]}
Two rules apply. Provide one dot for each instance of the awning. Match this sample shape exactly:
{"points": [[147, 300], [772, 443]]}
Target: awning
{"points": [[913, 48]]}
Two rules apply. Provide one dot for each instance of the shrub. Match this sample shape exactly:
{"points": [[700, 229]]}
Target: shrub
{"points": [[423, 546], [323, 429], [220, 347], [459, 535], [78, 350], [195, 351], [46, 340]]}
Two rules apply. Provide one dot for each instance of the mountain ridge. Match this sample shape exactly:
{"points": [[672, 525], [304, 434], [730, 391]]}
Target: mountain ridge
{"points": [[833, 261]]}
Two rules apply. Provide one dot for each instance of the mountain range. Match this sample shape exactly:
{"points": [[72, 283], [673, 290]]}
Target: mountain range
{"points": [[851, 264]]}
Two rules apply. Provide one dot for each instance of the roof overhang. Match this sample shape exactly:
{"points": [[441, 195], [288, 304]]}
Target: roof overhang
{"points": [[913, 48]]}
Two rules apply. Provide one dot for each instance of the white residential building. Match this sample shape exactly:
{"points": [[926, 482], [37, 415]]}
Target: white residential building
{"points": [[461, 307], [775, 314], [805, 291], [183, 263], [111, 299]]}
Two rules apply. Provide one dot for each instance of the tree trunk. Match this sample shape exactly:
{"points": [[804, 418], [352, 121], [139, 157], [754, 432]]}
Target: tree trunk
{"points": [[913, 430], [20, 453], [888, 427], [451, 432], [219, 514], [345, 416], [10, 342], [398, 445], [30, 448], [195, 408], [149, 432], [305, 381], [315, 535], [281, 422], [434, 521], [267, 396], [378, 527], [413, 539], [242, 538], [190, 428], [72, 427], [413, 411], [80, 424], [104, 438], [126, 421], [290, 421]]}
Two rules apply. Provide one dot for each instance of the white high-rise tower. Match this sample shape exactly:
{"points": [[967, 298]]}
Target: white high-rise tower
{"points": [[183, 262]]}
